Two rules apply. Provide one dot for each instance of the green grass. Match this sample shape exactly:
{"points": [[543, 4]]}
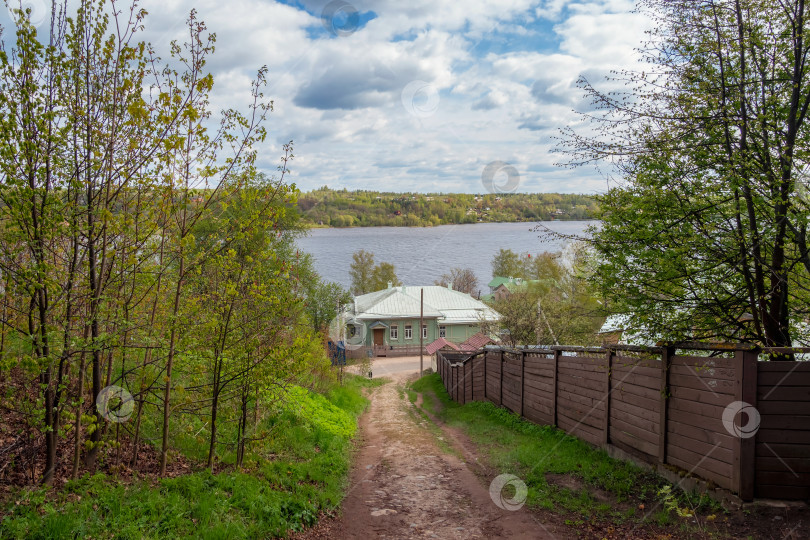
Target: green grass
{"points": [[533, 452], [306, 473]]}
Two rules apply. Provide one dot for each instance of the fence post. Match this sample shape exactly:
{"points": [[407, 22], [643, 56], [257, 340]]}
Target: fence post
{"points": [[472, 382], [522, 378], [500, 398], [440, 363], [666, 357], [455, 379], [485, 374], [464, 380], [606, 426], [743, 474], [554, 389]]}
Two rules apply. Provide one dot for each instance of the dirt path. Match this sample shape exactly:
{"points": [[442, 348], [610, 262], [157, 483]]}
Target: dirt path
{"points": [[404, 485]]}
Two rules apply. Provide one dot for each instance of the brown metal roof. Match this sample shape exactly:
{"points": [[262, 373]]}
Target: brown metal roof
{"points": [[475, 342], [440, 344]]}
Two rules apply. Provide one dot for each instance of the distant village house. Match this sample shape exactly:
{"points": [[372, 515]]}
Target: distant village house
{"points": [[386, 322]]}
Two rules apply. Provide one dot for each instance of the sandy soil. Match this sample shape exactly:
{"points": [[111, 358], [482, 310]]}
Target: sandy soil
{"points": [[405, 485]]}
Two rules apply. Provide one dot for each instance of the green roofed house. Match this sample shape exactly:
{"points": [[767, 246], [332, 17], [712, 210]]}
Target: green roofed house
{"points": [[502, 287], [497, 281], [386, 322]]}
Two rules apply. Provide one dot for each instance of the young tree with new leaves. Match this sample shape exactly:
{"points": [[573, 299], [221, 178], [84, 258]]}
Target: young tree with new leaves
{"points": [[112, 165]]}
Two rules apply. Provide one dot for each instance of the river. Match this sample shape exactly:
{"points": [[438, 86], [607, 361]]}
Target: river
{"points": [[420, 255]]}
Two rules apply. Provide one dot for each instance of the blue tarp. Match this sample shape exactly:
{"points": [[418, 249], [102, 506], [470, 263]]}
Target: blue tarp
{"points": [[337, 353]]}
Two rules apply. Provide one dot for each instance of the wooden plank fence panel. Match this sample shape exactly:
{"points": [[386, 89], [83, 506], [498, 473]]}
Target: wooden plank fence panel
{"points": [[713, 438], [628, 393], [631, 407], [703, 395], [729, 374], [703, 383], [652, 394], [533, 409], [631, 377], [579, 429], [632, 450], [622, 407], [703, 362], [686, 460], [649, 367], [631, 442], [713, 426], [540, 384], [586, 383]]}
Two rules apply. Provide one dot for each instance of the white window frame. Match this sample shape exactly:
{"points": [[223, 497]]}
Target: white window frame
{"points": [[424, 331], [442, 331], [408, 331], [393, 332]]}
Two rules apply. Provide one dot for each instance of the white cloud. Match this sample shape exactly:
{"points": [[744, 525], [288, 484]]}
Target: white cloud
{"points": [[497, 94]]}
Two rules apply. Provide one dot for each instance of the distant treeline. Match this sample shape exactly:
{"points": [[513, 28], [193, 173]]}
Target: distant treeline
{"points": [[333, 208]]}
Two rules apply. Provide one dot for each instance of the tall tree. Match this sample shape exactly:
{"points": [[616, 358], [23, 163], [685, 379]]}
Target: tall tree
{"points": [[367, 277], [507, 263], [34, 206], [360, 271], [383, 275], [461, 279], [705, 234]]}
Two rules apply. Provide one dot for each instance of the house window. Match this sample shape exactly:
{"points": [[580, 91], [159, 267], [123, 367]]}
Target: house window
{"points": [[394, 332], [408, 331], [424, 331], [442, 331]]}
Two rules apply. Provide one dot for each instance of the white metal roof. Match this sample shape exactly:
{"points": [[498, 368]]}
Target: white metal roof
{"points": [[447, 305]]}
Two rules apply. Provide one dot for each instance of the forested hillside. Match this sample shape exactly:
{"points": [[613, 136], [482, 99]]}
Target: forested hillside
{"points": [[342, 208]]}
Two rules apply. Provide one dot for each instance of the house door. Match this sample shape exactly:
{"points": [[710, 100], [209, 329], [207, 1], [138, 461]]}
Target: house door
{"points": [[379, 337]]}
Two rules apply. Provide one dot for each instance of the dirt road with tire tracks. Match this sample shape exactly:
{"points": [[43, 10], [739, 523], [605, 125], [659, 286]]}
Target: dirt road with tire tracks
{"points": [[412, 479]]}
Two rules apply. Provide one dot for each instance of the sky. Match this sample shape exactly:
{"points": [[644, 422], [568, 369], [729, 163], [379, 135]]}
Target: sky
{"points": [[417, 95]]}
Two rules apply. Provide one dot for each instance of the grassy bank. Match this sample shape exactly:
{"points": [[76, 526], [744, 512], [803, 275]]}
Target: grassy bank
{"points": [[562, 473], [301, 470]]}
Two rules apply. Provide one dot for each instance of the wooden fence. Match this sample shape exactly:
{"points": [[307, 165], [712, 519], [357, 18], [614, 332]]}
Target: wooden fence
{"points": [[713, 411]]}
